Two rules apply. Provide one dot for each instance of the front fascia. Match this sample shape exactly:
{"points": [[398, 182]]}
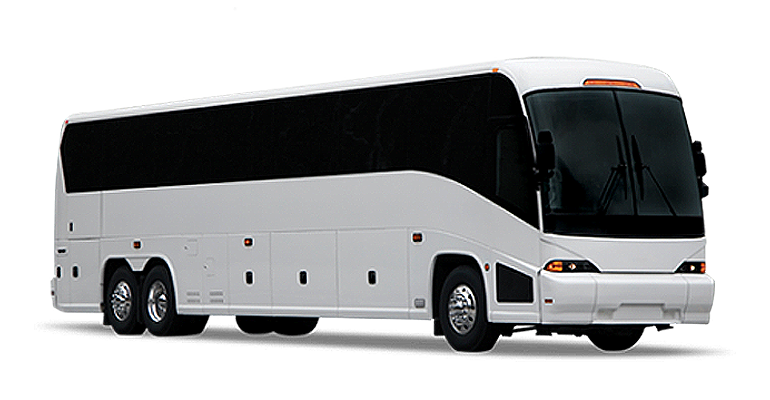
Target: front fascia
{"points": [[636, 285]]}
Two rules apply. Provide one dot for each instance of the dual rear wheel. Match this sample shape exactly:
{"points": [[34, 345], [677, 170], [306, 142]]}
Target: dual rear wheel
{"points": [[131, 308]]}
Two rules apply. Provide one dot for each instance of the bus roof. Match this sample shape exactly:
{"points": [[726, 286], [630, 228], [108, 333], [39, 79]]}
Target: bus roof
{"points": [[527, 74]]}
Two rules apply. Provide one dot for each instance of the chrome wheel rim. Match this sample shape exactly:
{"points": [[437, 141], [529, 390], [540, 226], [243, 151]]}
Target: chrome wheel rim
{"points": [[120, 300], [462, 309], [157, 301]]}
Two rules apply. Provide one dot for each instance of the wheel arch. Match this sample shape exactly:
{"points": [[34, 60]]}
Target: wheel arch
{"points": [[113, 263], [443, 264]]}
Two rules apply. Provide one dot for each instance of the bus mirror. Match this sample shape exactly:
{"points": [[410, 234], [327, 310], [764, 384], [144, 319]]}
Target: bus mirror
{"points": [[700, 159], [546, 154]]}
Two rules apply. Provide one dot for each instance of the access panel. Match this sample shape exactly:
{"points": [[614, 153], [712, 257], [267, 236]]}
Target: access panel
{"points": [[373, 273]]}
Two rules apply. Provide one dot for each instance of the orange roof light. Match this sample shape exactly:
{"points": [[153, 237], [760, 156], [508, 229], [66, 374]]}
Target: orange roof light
{"points": [[611, 82], [495, 69]]}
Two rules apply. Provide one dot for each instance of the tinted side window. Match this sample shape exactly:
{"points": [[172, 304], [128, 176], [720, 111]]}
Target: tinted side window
{"points": [[468, 129]]}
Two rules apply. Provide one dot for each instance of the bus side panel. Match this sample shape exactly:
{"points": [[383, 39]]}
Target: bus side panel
{"points": [[521, 310], [62, 280], [249, 293], [83, 273], [373, 278], [212, 261], [84, 211], [304, 273], [422, 256]]}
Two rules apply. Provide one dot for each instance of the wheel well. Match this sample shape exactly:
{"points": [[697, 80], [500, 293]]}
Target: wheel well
{"points": [[113, 264], [110, 267], [445, 264]]}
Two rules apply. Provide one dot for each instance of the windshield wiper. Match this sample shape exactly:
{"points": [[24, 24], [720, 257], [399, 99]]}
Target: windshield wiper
{"points": [[617, 172], [639, 168]]}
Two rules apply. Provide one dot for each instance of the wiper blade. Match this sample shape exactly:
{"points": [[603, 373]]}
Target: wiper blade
{"points": [[639, 168], [616, 173]]}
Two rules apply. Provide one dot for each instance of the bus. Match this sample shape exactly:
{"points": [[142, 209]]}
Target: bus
{"points": [[561, 196]]}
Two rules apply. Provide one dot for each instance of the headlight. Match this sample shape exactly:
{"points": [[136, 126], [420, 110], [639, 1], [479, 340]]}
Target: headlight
{"points": [[692, 267], [570, 266]]}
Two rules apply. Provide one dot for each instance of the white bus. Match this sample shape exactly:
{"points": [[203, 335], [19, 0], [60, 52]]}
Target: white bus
{"points": [[556, 195]]}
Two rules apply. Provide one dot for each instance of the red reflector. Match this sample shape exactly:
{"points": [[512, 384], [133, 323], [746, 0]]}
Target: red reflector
{"points": [[611, 82], [248, 242], [548, 301]]}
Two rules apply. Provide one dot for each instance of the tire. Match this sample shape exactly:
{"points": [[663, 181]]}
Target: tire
{"points": [[122, 301], [159, 307], [292, 326], [616, 339], [463, 312], [254, 325]]}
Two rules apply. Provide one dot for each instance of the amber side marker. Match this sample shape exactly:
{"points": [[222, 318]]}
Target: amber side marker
{"points": [[718, 266], [417, 237]]}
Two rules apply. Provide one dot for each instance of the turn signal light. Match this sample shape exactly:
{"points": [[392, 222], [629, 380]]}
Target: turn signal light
{"points": [[570, 266]]}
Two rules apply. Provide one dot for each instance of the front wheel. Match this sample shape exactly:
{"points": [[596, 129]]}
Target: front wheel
{"points": [[616, 339], [159, 307], [463, 312]]}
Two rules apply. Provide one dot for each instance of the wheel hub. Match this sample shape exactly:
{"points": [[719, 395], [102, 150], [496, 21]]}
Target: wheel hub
{"points": [[120, 300], [462, 309], [157, 301]]}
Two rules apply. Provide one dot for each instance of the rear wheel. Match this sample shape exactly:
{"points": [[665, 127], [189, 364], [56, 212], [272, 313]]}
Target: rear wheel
{"points": [[254, 325], [159, 307], [616, 339], [462, 312], [122, 311], [294, 326]]}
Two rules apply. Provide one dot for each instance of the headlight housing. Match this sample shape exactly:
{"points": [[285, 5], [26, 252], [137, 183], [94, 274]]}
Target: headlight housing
{"points": [[692, 267], [570, 266]]}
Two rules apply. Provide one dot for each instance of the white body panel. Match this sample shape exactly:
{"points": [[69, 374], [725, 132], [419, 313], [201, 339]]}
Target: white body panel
{"points": [[337, 229]]}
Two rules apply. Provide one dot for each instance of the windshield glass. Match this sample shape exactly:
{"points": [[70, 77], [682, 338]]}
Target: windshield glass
{"points": [[624, 164]]}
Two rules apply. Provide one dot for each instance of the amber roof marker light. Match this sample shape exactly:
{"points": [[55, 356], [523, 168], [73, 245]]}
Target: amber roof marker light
{"points": [[611, 82]]}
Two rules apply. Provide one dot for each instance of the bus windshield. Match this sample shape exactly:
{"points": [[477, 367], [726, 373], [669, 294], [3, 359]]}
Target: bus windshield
{"points": [[624, 164]]}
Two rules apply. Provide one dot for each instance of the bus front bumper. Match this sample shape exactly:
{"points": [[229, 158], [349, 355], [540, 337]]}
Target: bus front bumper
{"points": [[651, 299]]}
